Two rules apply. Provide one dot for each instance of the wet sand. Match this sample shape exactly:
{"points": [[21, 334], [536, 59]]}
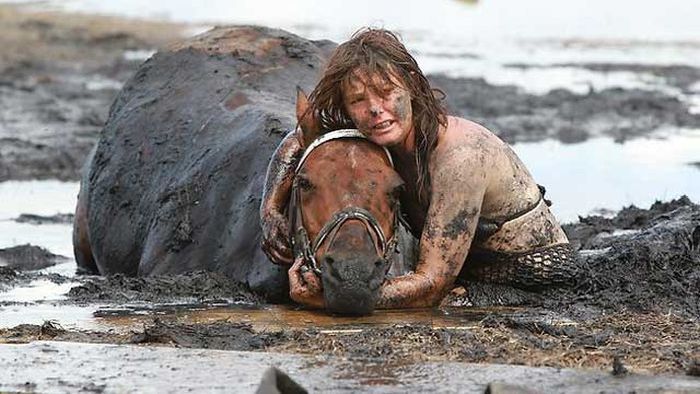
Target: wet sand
{"points": [[60, 73], [107, 368]]}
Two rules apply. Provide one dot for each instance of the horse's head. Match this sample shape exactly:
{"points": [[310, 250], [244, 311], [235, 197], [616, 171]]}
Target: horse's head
{"points": [[345, 194]]}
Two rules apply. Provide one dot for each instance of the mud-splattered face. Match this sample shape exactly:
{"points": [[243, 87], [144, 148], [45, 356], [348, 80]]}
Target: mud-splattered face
{"points": [[380, 108]]}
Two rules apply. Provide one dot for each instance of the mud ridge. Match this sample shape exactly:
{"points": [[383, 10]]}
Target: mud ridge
{"points": [[59, 218], [28, 258], [680, 76], [643, 260], [219, 335], [200, 286], [560, 114]]}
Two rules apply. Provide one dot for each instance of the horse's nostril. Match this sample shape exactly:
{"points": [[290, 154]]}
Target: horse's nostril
{"points": [[329, 260], [379, 263]]}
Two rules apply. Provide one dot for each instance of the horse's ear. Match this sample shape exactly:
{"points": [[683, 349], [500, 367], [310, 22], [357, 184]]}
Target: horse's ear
{"points": [[307, 119]]}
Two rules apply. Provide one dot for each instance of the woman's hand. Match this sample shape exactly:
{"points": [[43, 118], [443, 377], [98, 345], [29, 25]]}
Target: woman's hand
{"points": [[275, 238], [304, 286]]}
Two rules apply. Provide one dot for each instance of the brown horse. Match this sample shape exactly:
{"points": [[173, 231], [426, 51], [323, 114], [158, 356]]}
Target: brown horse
{"points": [[174, 183], [344, 213]]}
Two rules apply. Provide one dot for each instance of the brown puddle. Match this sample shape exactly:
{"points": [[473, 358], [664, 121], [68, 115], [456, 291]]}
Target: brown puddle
{"points": [[277, 317]]}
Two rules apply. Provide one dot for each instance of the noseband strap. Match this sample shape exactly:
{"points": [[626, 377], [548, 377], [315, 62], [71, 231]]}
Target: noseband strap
{"points": [[302, 245]]}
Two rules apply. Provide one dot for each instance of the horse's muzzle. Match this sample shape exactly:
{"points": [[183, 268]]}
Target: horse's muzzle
{"points": [[351, 283]]}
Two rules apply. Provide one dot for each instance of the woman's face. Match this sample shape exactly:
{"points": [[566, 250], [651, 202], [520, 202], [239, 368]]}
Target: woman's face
{"points": [[380, 109]]}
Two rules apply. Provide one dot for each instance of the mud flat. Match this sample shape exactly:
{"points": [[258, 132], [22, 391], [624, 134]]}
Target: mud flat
{"points": [[59, 366], [59, 73], [636, 302], [618, 113], [58, 76]]}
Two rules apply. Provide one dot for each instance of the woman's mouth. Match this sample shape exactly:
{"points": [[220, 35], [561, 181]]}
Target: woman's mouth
{"points": [[383, 125]]}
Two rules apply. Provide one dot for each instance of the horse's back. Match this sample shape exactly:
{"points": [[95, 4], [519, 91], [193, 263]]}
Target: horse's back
{"points": [[177, 174]]}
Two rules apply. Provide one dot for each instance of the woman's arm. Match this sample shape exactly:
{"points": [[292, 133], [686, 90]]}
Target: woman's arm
{"points": [[276, 192], [459, 182]]}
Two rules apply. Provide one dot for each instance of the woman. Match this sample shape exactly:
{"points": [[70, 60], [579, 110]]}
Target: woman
{"points": [[468, 198]]}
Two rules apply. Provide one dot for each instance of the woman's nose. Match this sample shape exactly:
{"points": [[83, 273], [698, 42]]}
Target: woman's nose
{"points": [[376, 105]]}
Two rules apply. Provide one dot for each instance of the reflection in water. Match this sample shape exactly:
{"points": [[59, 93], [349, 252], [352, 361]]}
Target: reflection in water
{"points": [[279, 317], [39, 198]]}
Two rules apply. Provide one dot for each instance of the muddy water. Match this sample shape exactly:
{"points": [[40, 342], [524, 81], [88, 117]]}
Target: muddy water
{"points": [[277, 318], [600, 174]]}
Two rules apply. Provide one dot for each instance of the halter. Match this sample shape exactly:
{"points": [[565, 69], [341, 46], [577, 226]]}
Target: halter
{"points": [[302, 245]]}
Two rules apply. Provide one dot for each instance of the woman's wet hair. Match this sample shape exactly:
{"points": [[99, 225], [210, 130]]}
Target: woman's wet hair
{"points": [[379, 52]]}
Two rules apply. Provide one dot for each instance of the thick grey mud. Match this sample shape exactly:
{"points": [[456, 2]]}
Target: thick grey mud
{"points": [[626, 305], [517, 116]]}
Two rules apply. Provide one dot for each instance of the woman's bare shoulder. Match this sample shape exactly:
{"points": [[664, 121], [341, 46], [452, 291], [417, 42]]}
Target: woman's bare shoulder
{"points": [[465, 135]]}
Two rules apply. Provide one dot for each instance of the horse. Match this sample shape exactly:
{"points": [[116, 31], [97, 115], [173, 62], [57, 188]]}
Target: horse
{"points": [[174, 182], [345, 198]]}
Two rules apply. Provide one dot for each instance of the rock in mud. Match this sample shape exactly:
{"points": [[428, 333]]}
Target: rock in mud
{"points": [[618, 367], [505, 388], [694, 368], [28, 258]]}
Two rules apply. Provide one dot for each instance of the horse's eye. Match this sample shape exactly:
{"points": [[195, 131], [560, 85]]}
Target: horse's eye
{"points": [[396, 191], [303, 183]]}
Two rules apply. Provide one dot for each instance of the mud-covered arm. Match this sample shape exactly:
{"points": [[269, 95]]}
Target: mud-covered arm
{"points": [[458, 187], [276, 192]]}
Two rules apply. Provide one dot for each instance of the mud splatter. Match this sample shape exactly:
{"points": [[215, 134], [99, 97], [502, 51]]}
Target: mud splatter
{"points": [[460, 223]]}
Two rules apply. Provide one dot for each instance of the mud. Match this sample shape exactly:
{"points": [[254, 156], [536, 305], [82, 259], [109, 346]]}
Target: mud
{"points": [[517, 116], [58, 75], [28, 258], [680, 76], [637, 300], [59, 218], [61, 72], [201, 287], [641, 260], [59, 366]]}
